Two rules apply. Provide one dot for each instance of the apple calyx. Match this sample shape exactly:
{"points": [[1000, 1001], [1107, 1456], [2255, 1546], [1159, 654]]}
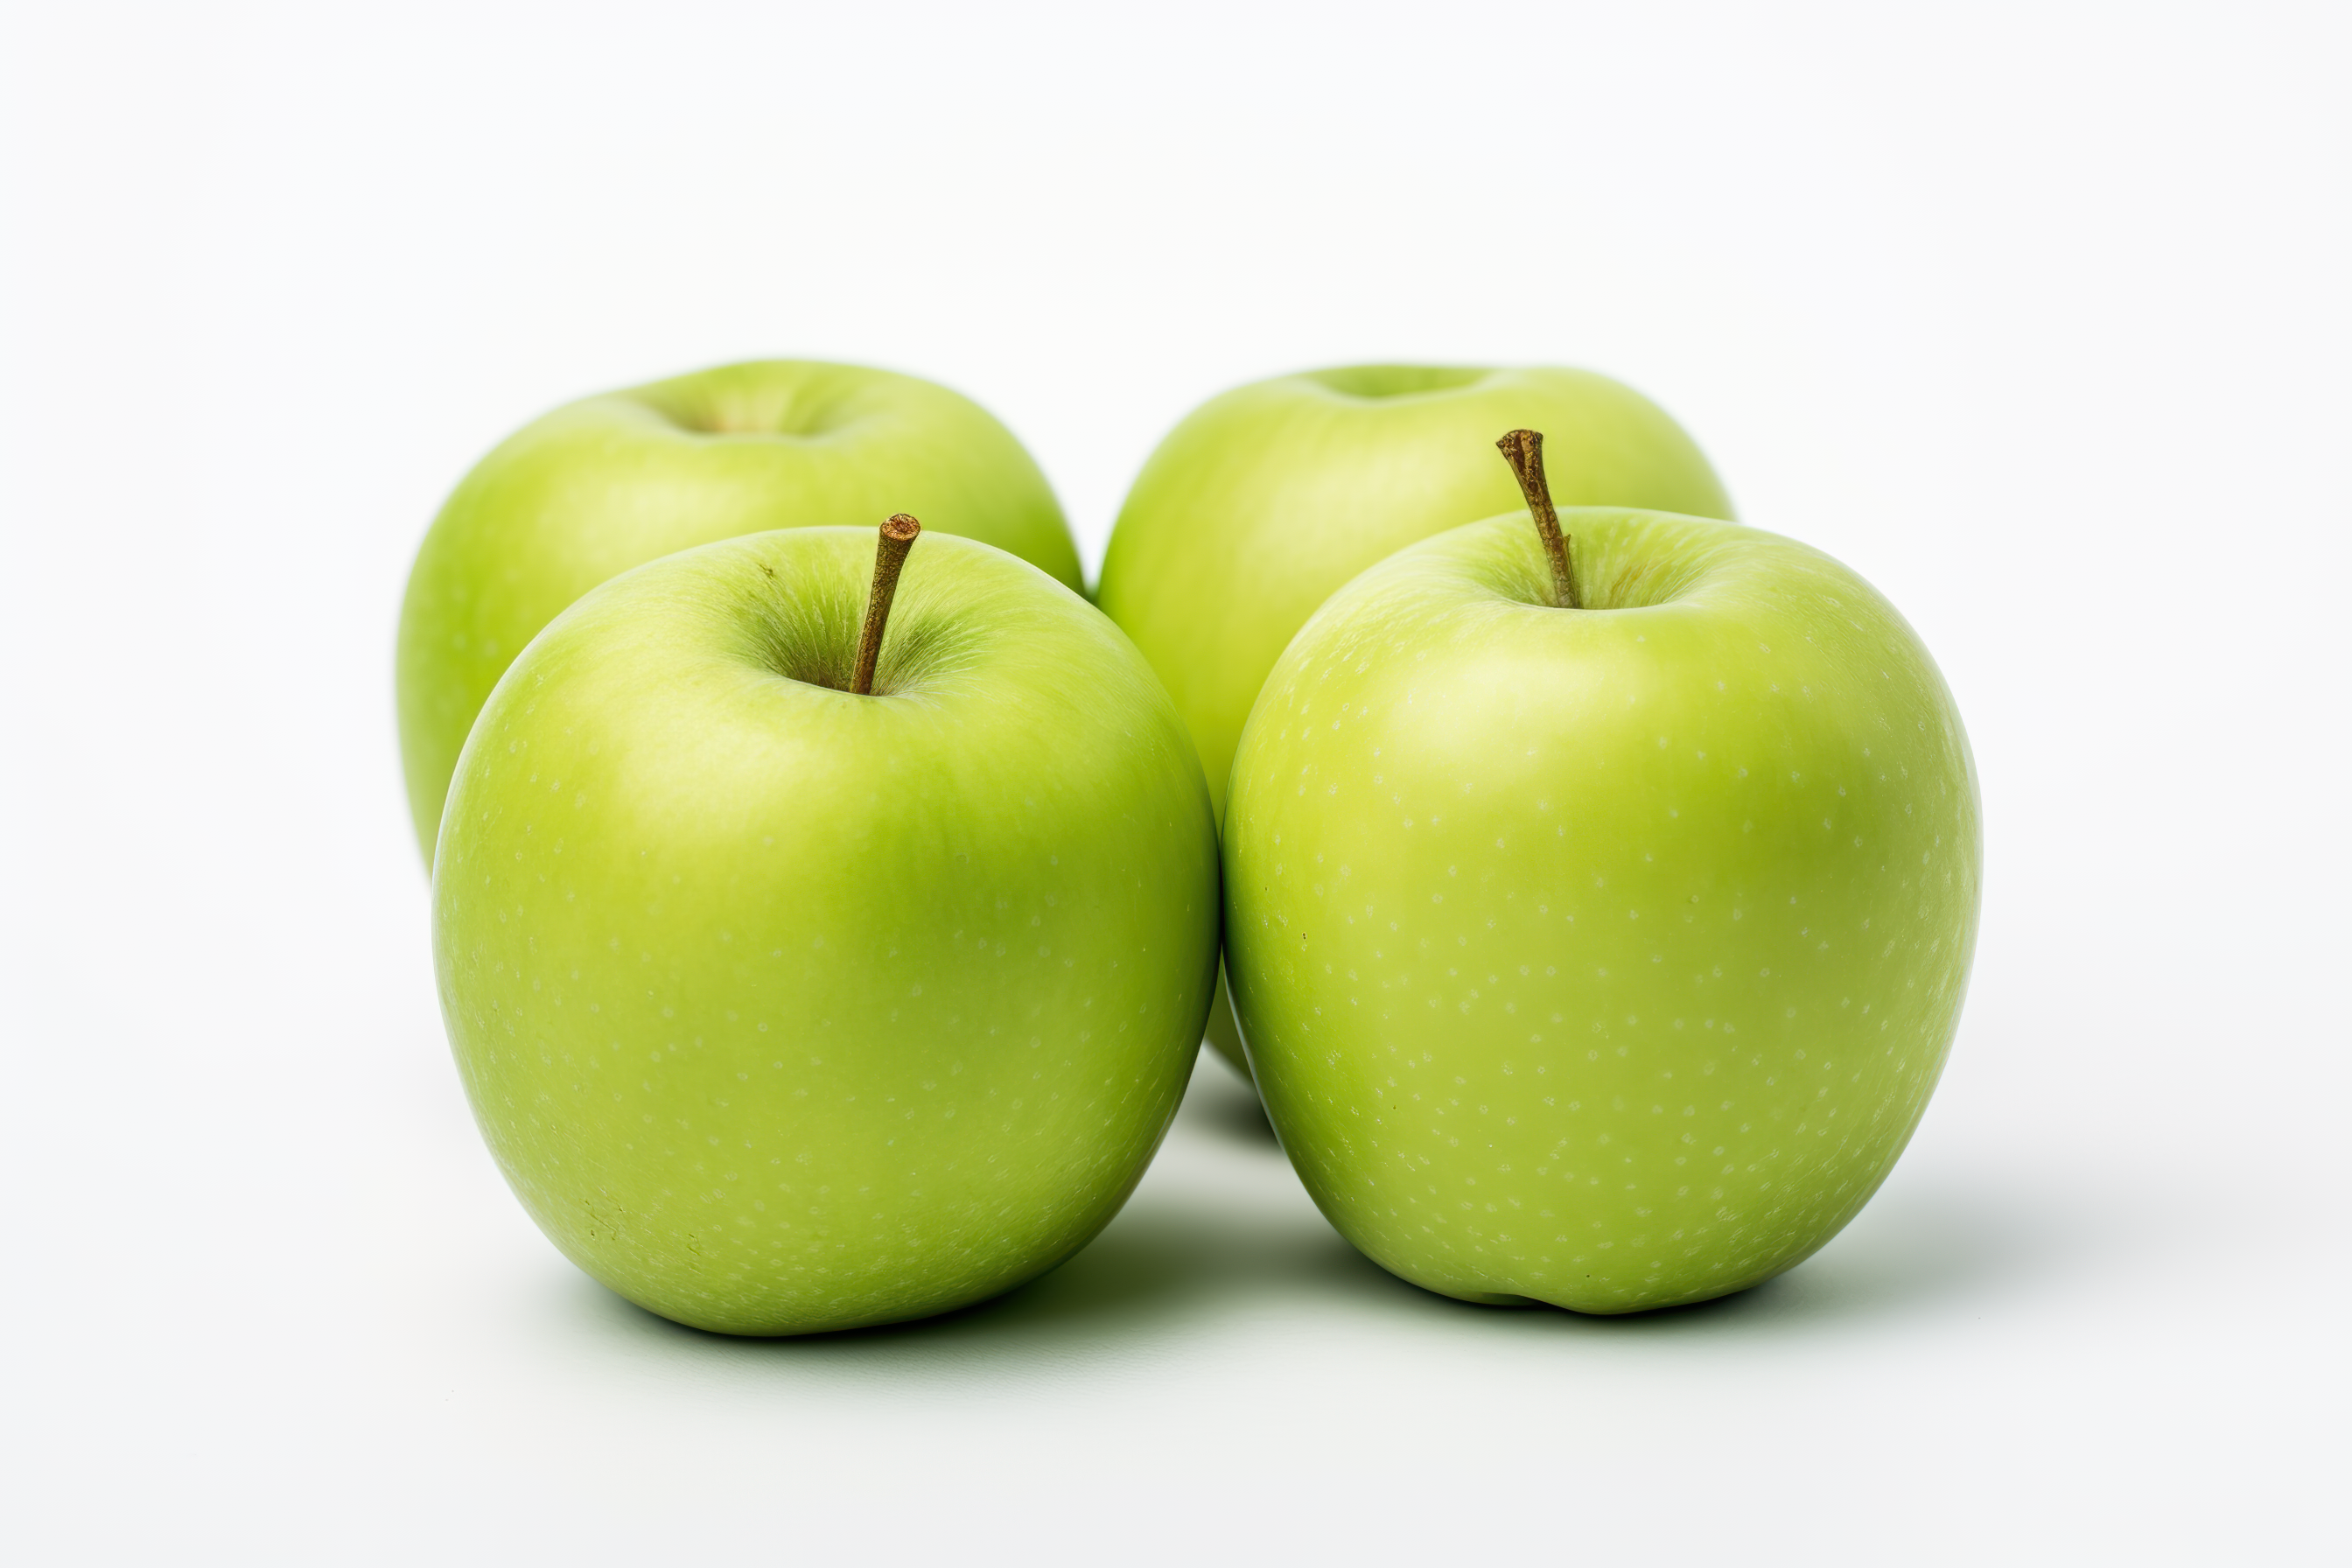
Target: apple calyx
{"points": [[1523, 449], [897, 537]]}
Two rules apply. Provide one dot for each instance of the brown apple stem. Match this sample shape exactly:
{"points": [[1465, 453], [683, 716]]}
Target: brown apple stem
{"points": [[1523, 449], [890, 559]]}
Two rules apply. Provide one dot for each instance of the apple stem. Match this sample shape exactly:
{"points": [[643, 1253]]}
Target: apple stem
{"points": [[1523, 449], [889, 558]]}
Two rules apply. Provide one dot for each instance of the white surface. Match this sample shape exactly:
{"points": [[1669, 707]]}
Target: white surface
{"points": [[2037, 317]]}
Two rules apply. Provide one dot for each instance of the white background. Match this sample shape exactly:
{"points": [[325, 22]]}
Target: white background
{"points": [[2036, 316]]}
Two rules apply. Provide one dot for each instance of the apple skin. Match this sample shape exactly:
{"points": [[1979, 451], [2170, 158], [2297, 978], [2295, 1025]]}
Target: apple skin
{"points": [[786, 1010], [1263, 501], [1608, 957], [612, 481]]}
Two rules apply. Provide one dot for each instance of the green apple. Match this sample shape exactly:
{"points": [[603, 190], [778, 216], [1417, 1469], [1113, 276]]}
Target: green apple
{"points": [[614, 481], [1263, 501], [1604, 957], [785, 1008]]}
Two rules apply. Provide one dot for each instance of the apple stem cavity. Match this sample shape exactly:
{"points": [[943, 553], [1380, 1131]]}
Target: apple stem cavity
{"points": [[890, 559], [1523, 449]]}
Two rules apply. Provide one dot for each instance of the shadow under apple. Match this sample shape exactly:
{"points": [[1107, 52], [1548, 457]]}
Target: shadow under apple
{"points": [[1225, 1232], [1169, 1269], [1158, 1274]]}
